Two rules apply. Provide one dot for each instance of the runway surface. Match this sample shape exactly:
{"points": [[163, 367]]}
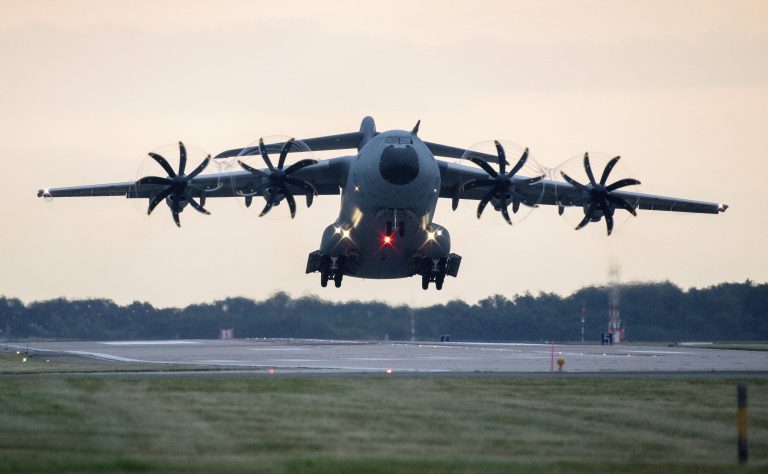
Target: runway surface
{"points": [[293, 355]]}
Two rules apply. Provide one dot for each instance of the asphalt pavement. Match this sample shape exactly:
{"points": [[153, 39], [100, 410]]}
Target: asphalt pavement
{"points": [[308, 356]]}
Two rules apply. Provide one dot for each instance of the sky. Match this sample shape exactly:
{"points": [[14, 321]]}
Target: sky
{"points": [[678, 88]]}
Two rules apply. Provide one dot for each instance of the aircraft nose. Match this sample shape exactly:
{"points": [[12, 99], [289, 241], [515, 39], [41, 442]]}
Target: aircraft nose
{"points": [[399, 164]]}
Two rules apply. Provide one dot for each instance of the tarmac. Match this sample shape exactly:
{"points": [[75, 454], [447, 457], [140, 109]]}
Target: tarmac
{"points": [[321, 356]]}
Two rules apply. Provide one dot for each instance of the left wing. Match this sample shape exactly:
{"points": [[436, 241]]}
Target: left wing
{"points": [[560, 193]]}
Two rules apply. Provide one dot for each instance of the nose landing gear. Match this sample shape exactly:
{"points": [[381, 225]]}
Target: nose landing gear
{"points": [[390, 228]]}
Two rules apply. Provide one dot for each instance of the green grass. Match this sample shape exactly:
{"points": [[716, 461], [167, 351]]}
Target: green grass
{"points": [[207, 423]]}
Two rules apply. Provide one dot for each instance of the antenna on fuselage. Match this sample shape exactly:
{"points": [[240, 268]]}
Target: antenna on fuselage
{"points": [[415, 130]]}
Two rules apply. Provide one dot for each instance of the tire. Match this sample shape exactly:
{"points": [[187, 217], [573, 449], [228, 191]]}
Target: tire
{"points": [[325, 264], [424, 282], [337, 279]]}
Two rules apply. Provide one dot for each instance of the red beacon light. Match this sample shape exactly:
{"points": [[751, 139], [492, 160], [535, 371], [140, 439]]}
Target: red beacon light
{"points": [[387, 239]]}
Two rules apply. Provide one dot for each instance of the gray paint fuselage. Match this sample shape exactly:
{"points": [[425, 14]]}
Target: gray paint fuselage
{"points": [[369, 200]]}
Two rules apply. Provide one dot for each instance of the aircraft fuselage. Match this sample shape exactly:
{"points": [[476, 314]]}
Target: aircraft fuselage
{"points": [[387, 206]]}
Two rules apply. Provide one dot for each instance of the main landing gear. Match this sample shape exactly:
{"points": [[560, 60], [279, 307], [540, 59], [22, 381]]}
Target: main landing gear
{"points": [[330, 267], [435, 269]]}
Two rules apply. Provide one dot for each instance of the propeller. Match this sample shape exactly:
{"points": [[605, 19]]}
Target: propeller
{"points": [[178, 188], [502, 184], [601, 201], [278, 179]]}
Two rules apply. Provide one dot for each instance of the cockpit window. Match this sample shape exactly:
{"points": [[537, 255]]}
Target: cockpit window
{"points": [[399, 141]]}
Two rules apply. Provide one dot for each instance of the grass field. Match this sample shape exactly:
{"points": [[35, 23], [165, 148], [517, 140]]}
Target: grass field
{"points": [[214, 423]]}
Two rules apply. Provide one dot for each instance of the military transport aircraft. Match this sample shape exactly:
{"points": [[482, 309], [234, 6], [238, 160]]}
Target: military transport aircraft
{"points": [[389, 191]]}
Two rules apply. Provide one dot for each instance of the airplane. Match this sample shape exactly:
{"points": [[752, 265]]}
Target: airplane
{"points": [[389, 192]]}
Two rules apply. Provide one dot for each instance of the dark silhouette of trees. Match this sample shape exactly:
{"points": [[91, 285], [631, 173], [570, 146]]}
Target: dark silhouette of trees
{"points": [[651, 312]]}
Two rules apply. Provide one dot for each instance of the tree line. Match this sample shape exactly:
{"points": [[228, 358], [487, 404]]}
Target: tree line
{"points": [[649, 311]]}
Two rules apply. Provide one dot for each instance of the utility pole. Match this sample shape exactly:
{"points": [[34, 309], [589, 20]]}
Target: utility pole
{"points": [[413, 323], [614, 315]]}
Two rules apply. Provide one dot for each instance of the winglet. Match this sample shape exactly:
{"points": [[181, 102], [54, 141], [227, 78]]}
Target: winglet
{"points": [[722, 208], [415, 130]]}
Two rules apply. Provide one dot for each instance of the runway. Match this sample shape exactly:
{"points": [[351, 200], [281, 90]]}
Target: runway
{"points": [[318, 356]]}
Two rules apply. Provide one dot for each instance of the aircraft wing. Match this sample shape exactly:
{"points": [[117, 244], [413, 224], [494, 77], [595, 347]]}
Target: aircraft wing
{"points": [[354, 140], [560, 193], [326, 176]]}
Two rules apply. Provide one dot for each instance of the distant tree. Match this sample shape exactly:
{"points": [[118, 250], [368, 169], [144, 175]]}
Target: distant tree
{"points": [[658, 311]]}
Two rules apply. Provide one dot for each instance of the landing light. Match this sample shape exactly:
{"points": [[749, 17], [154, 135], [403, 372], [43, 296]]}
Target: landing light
{"points": [[345, 233], [432, 235]]}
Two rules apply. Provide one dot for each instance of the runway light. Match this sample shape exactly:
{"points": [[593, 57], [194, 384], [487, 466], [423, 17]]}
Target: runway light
{"points": [[18, 352], [24, 359], [271, 371], [389, 371]]}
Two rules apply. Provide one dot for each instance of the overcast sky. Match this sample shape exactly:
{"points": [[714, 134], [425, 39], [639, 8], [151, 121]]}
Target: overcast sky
{"points": [[678, 89]]}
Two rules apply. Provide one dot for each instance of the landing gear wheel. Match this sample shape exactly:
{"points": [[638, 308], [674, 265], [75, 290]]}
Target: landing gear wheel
{"points": [[325, 270], [341, 262], [439, 281], [401, 228], [424, 282], [388, 231]]}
